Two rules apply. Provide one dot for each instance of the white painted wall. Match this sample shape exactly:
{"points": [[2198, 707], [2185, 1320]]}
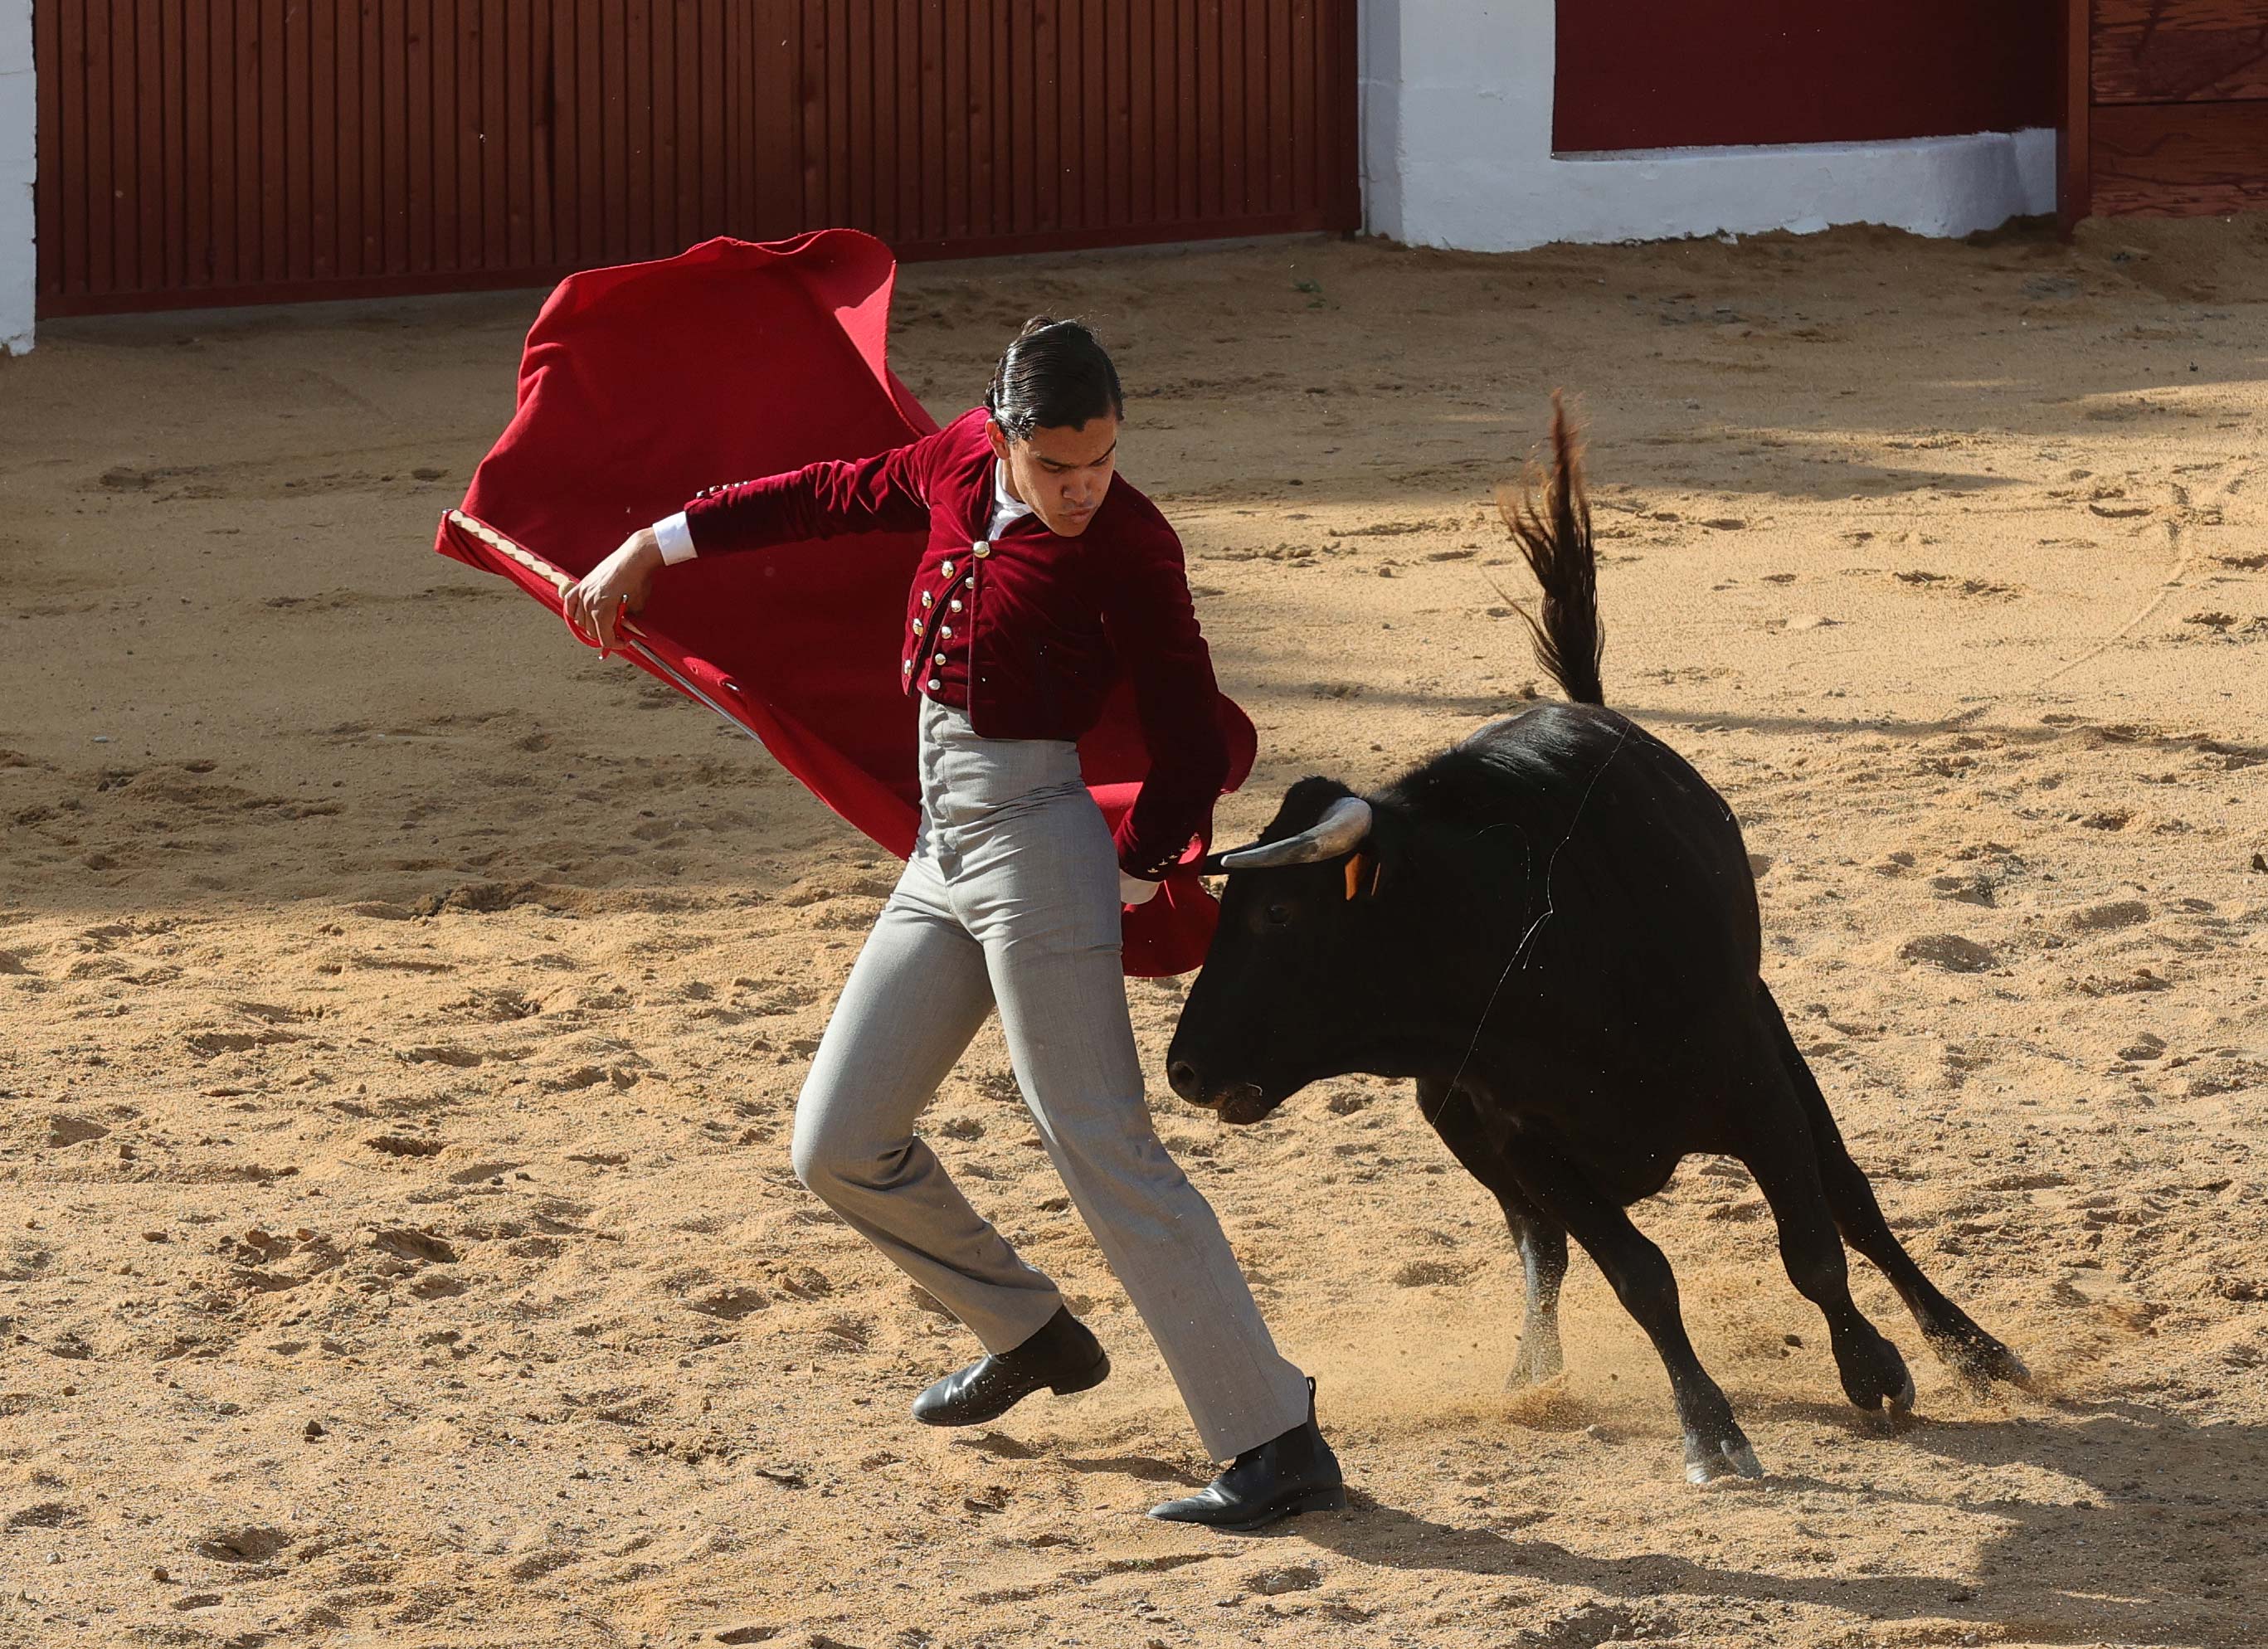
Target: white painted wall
{"points": [[18, 126], [1456, 151]]}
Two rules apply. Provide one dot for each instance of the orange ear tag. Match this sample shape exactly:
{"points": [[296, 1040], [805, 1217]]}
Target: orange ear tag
{"points": [[1357, 862]]}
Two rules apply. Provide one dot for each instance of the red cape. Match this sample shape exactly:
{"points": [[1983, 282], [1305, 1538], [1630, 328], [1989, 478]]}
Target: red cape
{"points": [[641, 385]]}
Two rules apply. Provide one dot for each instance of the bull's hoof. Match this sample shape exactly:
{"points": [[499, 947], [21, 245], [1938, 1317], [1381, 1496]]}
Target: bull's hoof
{"points": [[1725, 1453], [1981, 1360], [1535, 1365], [1874, 1376]]}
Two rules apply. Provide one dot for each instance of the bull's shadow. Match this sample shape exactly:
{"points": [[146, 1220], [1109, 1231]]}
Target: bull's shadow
{"points": [[2165, 1551]]}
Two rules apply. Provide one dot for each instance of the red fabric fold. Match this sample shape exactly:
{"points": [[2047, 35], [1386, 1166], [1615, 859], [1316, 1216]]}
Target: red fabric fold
{"points": [[642, 384]]}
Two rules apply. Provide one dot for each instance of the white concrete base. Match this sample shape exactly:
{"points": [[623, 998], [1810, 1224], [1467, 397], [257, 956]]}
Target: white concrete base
{"points": [[18, 135], [1456, 103]]}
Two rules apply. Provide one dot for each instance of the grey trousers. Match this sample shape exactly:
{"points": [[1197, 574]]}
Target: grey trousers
{"points": [[1011, 900]]}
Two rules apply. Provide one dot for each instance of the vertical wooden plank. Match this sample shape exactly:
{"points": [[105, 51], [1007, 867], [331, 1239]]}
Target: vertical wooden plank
{"points": [[957, 119], [843, 87], [889, 114], [322, 139], [1217, 106], [1279, 107], [373, 98], [1189, 55], [172, 229], [889, 109], [1142, 117], [590, 133], [568, 226], [713, 219], [467, 122], [444, 39], [1242, 23], [685, 116], [420, 111], [912, 159], [114, 128], [197, 69], [290, 66], [1099, 109], [543, 92], [975, 113], [940, 134], [1019, 94], [1071, 112], [272, 74], [345, 125], [661, 235], [519, 129], [777, 58], [494, 142], [228, 189], [1166, 100], [564, 134], [1305, 131], [1342, 93], [2074, 150], [613, 56], [636, 126], [392, 87], [149, 206], [469, 127], [743, 87], [979, 173], [50, 67], [245, 137], [1047, 94]]}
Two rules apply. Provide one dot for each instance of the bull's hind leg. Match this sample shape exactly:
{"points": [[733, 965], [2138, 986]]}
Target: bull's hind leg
{"points": [[1967, 1349], [1640, 1276], [1778, 1148], [1542, 1243]]}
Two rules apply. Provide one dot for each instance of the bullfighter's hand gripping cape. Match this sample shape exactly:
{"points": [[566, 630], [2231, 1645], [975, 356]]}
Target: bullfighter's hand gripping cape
{"points": [[642, 384]]}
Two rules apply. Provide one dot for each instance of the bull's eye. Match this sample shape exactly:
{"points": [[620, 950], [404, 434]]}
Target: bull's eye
{"points": [[1279, 915]]}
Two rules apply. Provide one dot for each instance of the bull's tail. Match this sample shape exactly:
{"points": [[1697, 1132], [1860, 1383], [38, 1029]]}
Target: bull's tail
{"points": [[1556, 539]]}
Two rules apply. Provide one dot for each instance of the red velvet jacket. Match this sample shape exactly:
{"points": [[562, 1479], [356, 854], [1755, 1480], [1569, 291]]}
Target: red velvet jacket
{"points": [[1028, 632]]}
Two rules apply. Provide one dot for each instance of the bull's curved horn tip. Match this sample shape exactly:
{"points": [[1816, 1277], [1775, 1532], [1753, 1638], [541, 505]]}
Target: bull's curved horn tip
{"points": [[1343, 825]]}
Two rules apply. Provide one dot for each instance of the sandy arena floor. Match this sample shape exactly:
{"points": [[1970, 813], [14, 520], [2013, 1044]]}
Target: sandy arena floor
{"points": [[400, 1009]]}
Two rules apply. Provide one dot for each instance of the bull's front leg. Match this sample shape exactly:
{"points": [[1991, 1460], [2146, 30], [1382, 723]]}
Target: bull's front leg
{"points": [[1640, 1276], [1542, 1242], [1543, 1256]]}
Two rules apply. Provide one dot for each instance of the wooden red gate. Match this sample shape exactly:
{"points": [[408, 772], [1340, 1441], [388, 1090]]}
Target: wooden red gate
{"points": [[209, 152]]}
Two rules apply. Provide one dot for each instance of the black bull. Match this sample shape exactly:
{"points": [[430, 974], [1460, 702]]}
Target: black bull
{"points": [[1552, 927]]}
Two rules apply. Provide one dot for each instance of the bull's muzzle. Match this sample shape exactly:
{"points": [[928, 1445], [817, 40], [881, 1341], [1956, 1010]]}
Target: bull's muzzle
{"points": [[1232, 1103]]}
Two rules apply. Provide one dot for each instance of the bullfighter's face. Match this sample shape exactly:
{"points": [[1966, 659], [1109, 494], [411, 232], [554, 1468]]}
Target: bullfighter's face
{"points": [[1062, 472]]}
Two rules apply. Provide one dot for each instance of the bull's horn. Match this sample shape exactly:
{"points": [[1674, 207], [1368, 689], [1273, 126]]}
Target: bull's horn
{"points": [[1341, 829]]}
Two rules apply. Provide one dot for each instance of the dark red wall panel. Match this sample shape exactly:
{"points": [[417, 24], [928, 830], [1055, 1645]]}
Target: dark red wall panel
{"points": [[201, 152], [1669, 74]]}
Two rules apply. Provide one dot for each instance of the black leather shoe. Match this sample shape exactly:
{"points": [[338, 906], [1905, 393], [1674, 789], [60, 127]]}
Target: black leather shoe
{"points": [[1064, 1356], [1282, 1477]]}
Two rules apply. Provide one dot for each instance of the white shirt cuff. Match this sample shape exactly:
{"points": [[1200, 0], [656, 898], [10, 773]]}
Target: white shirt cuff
{"points": [[1133, 890], [676, 538]]}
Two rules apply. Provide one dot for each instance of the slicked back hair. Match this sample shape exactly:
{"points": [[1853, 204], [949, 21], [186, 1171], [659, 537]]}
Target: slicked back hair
{"points": [[1054, 376]]}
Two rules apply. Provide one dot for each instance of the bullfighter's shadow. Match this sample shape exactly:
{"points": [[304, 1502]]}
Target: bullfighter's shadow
{"points": [[2169, 1543]]}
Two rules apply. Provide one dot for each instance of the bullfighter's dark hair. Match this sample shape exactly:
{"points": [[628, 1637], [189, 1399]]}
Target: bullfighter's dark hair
{"points": [[1054, 376]]}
